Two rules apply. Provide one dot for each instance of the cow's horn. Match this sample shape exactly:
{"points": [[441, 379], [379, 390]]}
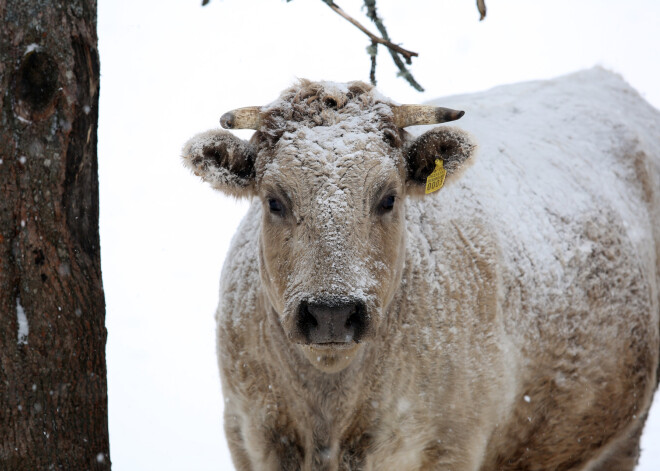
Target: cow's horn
{"points": [[413, 115], [242, 118]]}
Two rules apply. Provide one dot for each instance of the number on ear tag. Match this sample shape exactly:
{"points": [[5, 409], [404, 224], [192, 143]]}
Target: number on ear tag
{"points": [[437, 178]]}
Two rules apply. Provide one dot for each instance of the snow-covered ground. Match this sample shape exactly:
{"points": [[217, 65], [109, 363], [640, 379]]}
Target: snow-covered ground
{"points": [[170, 69]]}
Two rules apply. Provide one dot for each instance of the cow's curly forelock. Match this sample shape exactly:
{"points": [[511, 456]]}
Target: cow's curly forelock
{"points": [[312, 104]]}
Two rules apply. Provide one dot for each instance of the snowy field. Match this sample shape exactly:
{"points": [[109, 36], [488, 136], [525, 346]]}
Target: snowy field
{"points": [[169, 69]]}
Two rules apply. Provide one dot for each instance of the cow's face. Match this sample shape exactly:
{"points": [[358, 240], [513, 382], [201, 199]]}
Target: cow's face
{"points": [[332, 235], [331, 180]]}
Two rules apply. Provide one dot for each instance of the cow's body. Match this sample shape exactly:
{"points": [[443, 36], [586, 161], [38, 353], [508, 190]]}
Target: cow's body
{"points": [[523, 333]]}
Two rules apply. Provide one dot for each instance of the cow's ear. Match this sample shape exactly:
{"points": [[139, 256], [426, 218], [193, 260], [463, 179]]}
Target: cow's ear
{"points": [[222, 160], [453, 146]]}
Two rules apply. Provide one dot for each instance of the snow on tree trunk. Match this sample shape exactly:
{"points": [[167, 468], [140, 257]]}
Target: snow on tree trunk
{"points": [[53, 393]]}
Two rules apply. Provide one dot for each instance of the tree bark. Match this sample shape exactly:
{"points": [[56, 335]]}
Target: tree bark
{"points": [[53, 393]]}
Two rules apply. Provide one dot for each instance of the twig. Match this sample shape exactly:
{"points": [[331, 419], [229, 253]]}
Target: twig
{"points": [[374, 39], [373, 51], [403, 71]]}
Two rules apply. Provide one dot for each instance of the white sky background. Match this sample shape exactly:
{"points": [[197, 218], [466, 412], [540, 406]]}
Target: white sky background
{"points": [[169, 69]]}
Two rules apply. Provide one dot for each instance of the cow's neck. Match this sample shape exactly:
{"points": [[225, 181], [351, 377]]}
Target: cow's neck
{"points": [[337, 407], [340, 392]]}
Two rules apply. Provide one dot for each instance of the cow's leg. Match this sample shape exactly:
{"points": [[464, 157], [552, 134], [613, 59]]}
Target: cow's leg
{"points": [[236, 446], [624, 453], [255, 446]]}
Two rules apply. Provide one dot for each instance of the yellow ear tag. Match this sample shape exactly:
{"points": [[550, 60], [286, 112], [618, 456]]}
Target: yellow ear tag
{"points": [[437, 178]]}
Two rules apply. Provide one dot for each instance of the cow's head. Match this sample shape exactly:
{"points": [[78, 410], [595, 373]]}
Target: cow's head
{"points": [[331, 165]]}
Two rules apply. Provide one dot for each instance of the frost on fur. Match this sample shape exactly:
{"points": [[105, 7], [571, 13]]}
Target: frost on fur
{"points": [[508, 323], [453, 145], [222, 160]]}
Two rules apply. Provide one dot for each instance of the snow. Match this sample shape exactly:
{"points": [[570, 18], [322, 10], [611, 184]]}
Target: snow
{"points": [[23, 327], [64, 269], [31, 47], [164, 235]]}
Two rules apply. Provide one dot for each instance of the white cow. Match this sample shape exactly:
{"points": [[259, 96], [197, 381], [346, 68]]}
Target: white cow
{"points": [[509, 321]]}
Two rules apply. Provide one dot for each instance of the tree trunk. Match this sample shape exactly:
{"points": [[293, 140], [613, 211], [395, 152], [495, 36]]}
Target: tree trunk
{"points": [[53, 394]]}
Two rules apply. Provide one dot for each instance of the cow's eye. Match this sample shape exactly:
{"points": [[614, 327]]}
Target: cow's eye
{"points": [[275, 206], [387, 203]]}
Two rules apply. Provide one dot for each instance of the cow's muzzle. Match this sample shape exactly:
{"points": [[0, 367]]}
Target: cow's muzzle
{"points": [[330, 323]]}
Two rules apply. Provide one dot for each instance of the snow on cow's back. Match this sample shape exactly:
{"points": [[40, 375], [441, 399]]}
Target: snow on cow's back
{"points": [[571, 143], [568, 178]]}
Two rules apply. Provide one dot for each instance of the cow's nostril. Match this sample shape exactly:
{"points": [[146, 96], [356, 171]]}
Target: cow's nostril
{"points": [[308, 317], [353, 320], [357, 322], [306, 321]]}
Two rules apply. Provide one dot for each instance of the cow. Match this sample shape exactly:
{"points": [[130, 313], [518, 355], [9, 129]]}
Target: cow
{"points": [[507, 321]]}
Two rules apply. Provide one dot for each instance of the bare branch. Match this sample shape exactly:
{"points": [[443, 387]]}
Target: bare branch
{"points": [[390, 45], [373, 51], [395, 50]]}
